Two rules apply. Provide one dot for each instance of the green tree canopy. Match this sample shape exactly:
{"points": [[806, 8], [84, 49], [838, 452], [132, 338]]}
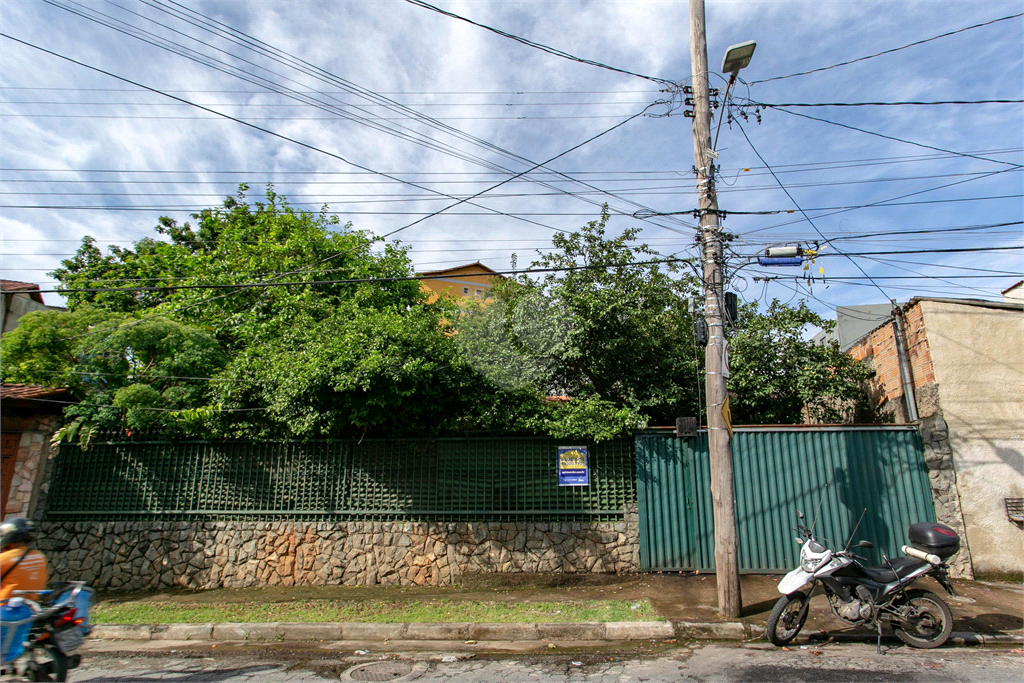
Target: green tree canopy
{"points": [[130, 373], [777, 371], [600, 344], [321, 357], [609, 331]]}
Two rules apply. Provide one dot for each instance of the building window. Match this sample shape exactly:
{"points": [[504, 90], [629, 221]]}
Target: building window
{"points": [[479, 292], [465, 290]]}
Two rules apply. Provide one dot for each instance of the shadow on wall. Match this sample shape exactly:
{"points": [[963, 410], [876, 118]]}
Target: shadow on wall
{"points": [[453, 479], [864, 499]]}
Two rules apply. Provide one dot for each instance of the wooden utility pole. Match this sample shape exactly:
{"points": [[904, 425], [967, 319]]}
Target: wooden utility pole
{"points": [[719, 432]]}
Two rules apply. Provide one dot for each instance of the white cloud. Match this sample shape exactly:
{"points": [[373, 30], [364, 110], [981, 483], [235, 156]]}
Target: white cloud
{"points": [[459, 72]]}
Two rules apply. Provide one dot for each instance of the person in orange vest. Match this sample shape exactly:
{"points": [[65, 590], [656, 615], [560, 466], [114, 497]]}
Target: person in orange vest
{"points": [[21, 567]]}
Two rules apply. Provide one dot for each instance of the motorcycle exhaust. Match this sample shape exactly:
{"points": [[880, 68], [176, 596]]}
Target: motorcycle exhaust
{"points": [[921, 555]]}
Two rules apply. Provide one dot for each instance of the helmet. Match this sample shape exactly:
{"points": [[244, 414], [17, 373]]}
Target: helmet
{"points": [[17, 530]]}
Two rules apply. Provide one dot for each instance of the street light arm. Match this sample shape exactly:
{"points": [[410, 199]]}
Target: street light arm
{"points": [[725, 105]]}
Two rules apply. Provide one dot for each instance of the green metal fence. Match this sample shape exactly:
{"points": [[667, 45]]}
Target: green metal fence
{"points": [[470, 479], [776, 472]]}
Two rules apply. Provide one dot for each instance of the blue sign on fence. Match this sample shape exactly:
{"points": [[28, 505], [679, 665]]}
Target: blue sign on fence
{"points": [[572, 466]]}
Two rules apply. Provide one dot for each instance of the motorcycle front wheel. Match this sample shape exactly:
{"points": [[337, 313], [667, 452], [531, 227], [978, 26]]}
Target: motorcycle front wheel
{"points": [[786, 619], [927, 623]]}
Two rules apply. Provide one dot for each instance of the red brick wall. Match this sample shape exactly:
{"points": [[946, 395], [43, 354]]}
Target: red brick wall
{"points": [[880, 347], [917, 344]]}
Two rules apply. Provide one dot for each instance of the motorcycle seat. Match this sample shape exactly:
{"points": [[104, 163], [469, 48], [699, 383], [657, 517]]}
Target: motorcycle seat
{"points": [[902, 566]]}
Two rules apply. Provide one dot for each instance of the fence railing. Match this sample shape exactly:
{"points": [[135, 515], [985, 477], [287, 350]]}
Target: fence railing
{"points": [[467, 479]]}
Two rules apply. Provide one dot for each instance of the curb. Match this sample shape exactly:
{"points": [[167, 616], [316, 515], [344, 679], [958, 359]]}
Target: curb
{"points": [[615, 631], [361, 631]]}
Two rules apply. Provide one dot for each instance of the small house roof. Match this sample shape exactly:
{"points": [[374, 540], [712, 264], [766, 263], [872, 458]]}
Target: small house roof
{"points": [[476, 265], [29, 288], [31, 391]]}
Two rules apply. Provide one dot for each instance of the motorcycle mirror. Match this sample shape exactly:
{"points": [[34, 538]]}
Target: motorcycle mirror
{"points": [[865, 544], [799, 514]]}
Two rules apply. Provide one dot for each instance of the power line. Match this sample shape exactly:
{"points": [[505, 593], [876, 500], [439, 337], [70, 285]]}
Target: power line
{"points": [[797, 205], [206, 301], [134, 377], [313, 147], [131, 117], [958, 250], [825, 240], [409, 278], [944, 278], [254, 44], [161, 410], [275, 54], [887, 137], [528, 240], [779, 168], [889, 51], [278, 105], [900, 262], [190, 209], [270, 86], [925, 232], [655, 189], [891, 201], [248, 76], [544, 48], [875, 205], [885, 104], [339, 92], [194, 209]]}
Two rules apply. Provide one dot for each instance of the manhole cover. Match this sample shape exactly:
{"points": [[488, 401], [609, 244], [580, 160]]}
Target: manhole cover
{"points": [[380, 671]]}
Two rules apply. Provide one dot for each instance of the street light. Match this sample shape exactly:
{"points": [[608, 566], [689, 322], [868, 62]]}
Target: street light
{"points": [[737, 57]]}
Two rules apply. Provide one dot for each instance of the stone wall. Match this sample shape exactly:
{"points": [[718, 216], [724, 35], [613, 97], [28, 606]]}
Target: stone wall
{"points": [[33, 453], [938, 457], [152, 555]]}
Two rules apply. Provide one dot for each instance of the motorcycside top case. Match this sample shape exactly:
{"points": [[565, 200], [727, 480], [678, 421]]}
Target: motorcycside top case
{"points": [[934, 538]]}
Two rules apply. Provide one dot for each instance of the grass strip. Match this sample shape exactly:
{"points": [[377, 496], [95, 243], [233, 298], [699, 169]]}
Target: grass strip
{"points": [[377, 611]]}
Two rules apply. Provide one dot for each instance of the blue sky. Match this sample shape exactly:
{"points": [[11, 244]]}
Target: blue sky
{"points": [[71, 137]]}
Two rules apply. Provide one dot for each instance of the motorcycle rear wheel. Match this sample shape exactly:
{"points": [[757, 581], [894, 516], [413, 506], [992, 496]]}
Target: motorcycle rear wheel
{"points": [[931, 624], [787, 618], [56, 669]]}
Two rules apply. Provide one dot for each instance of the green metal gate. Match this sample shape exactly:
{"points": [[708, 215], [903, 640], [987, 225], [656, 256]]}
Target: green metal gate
{"points": [[779, 470]]}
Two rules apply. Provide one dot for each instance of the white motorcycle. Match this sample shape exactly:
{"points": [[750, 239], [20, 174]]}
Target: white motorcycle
{"points": [[863, 595]]}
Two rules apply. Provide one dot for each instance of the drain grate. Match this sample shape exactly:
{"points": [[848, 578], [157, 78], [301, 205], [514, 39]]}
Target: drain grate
{"points": [[379, 671]]}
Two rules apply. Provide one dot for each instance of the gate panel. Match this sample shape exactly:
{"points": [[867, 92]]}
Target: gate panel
{"points": [[777, 471]]}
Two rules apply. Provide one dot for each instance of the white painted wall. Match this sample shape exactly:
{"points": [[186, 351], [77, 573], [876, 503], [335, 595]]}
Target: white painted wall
{"points": [[978, 358]]}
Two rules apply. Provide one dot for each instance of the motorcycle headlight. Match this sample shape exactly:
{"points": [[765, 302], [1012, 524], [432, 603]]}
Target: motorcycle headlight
{"points": [[808, 564]]}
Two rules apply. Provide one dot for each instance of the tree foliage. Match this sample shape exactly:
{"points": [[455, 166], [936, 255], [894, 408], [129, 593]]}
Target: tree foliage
{"points": [[321, 357], [778, 372], [609, 331], [131, 373], [598, 346]]}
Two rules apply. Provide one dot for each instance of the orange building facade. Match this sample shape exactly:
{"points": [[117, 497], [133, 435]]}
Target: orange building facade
{"points": [[471, 281]]}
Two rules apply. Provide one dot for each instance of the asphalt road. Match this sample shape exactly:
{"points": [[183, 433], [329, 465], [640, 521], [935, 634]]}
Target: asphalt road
{"points": [[716, 663]]}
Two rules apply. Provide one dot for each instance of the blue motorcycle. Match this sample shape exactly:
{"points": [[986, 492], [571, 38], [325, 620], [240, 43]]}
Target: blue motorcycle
{"points": [[38, 637]]}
